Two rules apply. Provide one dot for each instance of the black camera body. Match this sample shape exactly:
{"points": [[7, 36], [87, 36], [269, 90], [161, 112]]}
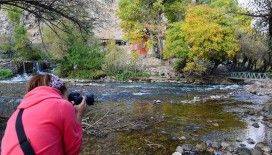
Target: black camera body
{"points": [[77, 98]]}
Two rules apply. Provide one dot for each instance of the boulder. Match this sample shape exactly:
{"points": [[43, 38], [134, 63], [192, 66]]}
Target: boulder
{"points": [[201, 147], [267, 149], [224, 145], [176, 153], [268, 108], [256, 125], [260, 146], [243, 151], [250, 141], [179, 149], [215, 145], [187, 147], [256, 152]]}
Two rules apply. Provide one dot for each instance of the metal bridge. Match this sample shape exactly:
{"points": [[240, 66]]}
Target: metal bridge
{"points": [[249, 75]]}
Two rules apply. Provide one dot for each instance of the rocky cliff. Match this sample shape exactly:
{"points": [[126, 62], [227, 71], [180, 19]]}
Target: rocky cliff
{"points": [[106, 25]]}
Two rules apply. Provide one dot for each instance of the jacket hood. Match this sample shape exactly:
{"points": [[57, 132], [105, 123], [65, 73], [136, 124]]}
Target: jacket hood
{"points": [[37, 95]]}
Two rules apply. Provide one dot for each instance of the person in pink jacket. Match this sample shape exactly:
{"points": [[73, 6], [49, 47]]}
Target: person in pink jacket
{"points": [[52, 124]]}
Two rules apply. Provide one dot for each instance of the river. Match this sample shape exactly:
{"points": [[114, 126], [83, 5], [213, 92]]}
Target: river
{"points": [[155, 118]]}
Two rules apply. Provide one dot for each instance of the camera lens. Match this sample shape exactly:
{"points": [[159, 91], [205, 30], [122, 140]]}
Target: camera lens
{"points": [[77, 98], [90, 99]]}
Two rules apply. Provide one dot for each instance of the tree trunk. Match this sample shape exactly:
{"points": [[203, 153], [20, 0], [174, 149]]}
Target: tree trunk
{"points": [[160, 35], [254, 65], [243, 63], [270, 30], [268, 64], [154, 47], [264, 66], [215, 66], [234, 65], [160, 47], [250, 64]]}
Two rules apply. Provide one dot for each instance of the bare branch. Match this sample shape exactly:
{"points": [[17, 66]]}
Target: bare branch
{"points": [[52, 10]]}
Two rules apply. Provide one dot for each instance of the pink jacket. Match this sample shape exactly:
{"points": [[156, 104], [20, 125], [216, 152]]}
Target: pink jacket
{"points": [[49, 122]]}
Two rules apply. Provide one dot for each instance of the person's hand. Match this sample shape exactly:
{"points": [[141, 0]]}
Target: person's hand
{"points": [[80, 109], [82, 106]]}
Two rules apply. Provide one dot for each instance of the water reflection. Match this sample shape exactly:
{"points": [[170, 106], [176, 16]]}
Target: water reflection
{"points": [[261, 134], [158, 128], [149, 128]]}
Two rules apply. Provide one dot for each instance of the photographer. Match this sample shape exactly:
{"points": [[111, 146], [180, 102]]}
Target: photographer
{"points": [[44, 122]]}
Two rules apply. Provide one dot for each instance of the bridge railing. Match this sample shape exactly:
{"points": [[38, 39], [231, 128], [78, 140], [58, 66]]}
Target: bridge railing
{"points": [[249, 75]]}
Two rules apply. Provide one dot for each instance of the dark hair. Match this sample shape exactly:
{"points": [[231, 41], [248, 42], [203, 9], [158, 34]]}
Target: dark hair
{"points": [[42, 80]]}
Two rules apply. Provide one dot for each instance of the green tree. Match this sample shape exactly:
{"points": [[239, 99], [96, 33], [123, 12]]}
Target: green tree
{"points": [[145, 19], [226, 5], [175, 10], [78, 55], [120, 64], [175, 43], [116, 59], [20, 42], [254, 52], [56, 43]]}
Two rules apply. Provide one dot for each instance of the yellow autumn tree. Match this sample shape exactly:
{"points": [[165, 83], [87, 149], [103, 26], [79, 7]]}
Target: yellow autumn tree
{"points": [[210, 34]]}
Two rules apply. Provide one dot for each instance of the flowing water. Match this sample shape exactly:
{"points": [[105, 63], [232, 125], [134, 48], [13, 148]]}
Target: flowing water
{"points": [[154, 118], [142, 118]]}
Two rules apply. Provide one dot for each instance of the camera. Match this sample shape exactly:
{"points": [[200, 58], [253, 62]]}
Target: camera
{"points": [[77, 98]]}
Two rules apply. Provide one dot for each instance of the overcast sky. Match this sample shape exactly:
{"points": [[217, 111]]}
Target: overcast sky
{"points": [[245, 4], [242, 2]]}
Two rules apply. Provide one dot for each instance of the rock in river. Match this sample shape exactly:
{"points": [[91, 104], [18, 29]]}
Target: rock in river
{"points": [[157, 101], [256, 152], [256, 125], [201, 147], [215, 124], [187, 147], [215, 145], [182, 138], [176, 153], [224, 145], [243, 151], [259, 146], [250, 141], [179, 149]]}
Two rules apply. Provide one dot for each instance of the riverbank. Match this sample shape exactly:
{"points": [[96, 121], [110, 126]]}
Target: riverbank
{"points": [[223, 148], [261, 116], [208, 80], [259, 87]]}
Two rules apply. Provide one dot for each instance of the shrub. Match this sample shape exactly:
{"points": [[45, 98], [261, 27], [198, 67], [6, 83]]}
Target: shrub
{"points": [[5, 73], [117, 63], [19, 42], [115, 59], [32, 54], [81, 59], [86, 74], [129, 74], [179, 65], [78, 55], [194, 68]]}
